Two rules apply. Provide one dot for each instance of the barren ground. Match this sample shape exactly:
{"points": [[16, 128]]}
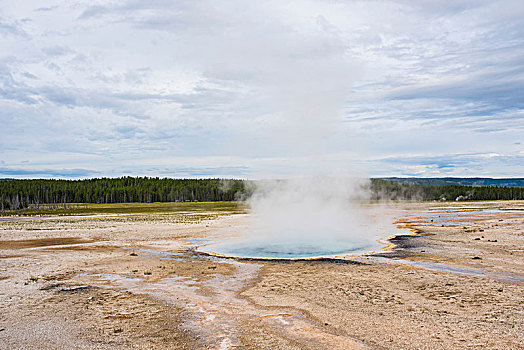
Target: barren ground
{"points": [[132, 281]]}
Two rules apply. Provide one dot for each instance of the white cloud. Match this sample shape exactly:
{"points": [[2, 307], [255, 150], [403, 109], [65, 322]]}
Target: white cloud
{"points": [[150, 86]]}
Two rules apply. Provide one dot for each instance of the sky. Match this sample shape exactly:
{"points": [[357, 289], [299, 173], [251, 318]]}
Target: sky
{"points": [[261, 89]]}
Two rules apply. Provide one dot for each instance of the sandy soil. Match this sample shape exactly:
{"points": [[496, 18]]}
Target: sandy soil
{"points": [[132, 281]]}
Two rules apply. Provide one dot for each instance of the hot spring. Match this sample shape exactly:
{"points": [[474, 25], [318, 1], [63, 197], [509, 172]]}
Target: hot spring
{"points": [[260, 249], [309, 218], [307, 249], [316, 241]]}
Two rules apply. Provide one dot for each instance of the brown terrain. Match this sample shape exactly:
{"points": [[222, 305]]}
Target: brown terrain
{"points": [[134, 281]]}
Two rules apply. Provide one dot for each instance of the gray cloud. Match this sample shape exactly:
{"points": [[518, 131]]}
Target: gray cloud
{"points": [[14, 29], [46, 9]]}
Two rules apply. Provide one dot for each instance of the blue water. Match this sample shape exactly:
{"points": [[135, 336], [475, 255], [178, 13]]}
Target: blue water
{"points": [[310, 248], [285, 250]]}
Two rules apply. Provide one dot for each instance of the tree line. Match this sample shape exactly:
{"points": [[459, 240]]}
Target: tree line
{"points": [[21, 194], [384, 189], [460, 181]]}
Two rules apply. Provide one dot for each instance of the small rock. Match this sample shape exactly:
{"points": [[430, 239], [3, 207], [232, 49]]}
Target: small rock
{"points": [[133, 254], [476, 258]]}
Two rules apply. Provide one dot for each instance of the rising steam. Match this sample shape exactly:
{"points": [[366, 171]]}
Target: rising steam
{"points": [[305, 76], [315, 212], [305, 217]]}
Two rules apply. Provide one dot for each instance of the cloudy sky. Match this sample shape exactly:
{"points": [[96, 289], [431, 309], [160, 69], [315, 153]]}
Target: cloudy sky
{"points": [[255, 89]]}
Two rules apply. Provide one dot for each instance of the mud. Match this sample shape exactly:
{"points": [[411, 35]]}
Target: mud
{"points": [[41, 242], [117, 282]]}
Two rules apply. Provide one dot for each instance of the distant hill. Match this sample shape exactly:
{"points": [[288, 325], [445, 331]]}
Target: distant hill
{"points": [[460, 181]]}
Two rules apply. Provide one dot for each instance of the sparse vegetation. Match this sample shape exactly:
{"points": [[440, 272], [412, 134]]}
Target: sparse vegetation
{"points": [[198, 210]]}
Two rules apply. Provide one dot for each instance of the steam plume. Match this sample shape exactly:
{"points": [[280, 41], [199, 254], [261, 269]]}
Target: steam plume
{"points": [[306, 77]]}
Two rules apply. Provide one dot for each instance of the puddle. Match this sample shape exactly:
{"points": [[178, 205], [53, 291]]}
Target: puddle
{"points": [[439, 217], [440, 223], [111, 277], [458, 270]]}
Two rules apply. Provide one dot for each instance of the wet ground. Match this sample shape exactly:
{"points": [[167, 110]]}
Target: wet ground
{"points": [[137, 282]]}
